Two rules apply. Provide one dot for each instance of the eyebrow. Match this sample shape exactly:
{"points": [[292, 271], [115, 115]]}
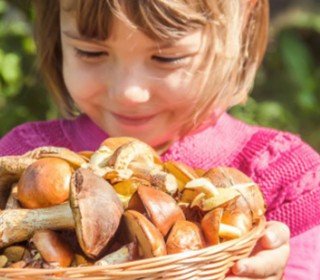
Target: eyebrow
{"points": [[79, 37]]}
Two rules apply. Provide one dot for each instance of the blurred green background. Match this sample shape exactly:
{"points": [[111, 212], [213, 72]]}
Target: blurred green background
{"points": [[286, 93]]}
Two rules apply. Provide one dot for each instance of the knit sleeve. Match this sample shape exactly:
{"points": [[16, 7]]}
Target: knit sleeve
{"points": [[304, 259], [288, 172], [31, 135]]}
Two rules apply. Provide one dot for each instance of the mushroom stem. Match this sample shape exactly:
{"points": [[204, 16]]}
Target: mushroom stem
{"points": [[20, 224]]}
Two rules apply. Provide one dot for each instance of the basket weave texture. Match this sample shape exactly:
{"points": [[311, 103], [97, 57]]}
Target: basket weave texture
{"points": [[209, 263]]}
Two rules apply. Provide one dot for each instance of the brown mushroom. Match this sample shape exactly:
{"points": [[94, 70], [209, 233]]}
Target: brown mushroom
{"points": [[94, 211], [14, 253], [210, 224], [216, 225], [161, 208], [184, 236], [44, 183], [11, 168], [53, 249], [237, 219], [150, 240]]}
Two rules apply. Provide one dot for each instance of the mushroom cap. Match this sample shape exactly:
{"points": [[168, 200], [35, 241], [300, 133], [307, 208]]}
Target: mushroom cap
{"points": [[210, 224], [45, 183], [184, 236], [161, 208], [52, 247], [97, 211], [149, 238], [237, 219], [113, 143]]}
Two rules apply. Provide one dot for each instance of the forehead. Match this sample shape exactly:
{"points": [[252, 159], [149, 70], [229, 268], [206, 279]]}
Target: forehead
{"points": [[118, 32], [159, 20]]}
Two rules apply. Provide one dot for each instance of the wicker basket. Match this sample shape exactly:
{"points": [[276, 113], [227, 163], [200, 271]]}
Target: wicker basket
{"points": [[209, 263]]}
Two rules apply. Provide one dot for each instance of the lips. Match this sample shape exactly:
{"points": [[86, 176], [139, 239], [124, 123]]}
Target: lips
{"points": [[133, 120]]}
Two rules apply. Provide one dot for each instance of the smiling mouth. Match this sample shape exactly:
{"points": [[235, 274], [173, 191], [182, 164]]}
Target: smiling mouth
{"points": [[132, 120]]}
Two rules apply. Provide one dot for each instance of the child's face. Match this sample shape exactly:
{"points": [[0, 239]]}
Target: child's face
{"points": [[129, 84]]}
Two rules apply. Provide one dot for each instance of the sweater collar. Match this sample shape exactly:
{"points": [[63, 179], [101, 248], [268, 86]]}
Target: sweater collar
{"points": [[83, 133], [225, 138]]}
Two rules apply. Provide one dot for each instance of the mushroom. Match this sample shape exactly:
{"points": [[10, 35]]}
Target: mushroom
{"points": [[157, 177], [71, 157], [53, 249], [44, 183], [94, 211], [126, 253], [132, 151], [251, 198], [210, 225], [215, 227], [12, 202], [114, 156], [150, 240], [224, 196], [11, 168], [14, 253], [238, 219], [181, 171], [161, 208], [114, 143], [184, 236]]}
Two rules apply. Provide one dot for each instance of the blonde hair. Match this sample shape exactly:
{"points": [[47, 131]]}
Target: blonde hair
{"points": [[238, 37]]}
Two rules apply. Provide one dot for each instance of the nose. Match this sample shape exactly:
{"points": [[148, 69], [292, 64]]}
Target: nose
{"points": [[129, 87], [136, 94]]}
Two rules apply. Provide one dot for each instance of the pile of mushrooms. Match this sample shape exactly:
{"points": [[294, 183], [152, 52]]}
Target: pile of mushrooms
{"points": [[116, 204]]}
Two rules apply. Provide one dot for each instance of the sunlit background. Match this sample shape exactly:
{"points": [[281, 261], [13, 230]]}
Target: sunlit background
{"points": [[286, 93]]}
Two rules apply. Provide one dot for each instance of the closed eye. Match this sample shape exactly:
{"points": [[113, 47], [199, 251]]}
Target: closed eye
{"points": [[168, 60], [89, 54]]}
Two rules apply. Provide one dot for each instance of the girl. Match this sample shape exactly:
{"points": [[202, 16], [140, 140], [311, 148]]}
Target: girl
{"points": [[166, 71]]}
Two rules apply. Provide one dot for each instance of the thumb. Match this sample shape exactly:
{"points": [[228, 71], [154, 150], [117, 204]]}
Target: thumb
{"points": [[276, 235]]}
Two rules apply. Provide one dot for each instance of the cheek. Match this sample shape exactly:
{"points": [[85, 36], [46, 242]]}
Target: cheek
{"points": [[82, 82], [180, 89]]}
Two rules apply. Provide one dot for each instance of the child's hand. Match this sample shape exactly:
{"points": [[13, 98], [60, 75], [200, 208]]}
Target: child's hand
{"points": [[269, 257]]}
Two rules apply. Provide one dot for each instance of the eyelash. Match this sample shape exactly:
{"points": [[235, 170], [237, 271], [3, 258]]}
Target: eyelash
{"points": [[87, 54], [160, 59], [168, 60]]}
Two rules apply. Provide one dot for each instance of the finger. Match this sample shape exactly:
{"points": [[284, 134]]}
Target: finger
{"points": [[264, 264], [276, 234]]}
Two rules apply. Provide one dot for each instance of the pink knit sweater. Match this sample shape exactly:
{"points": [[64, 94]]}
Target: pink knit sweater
{"points": [[287, 170]]}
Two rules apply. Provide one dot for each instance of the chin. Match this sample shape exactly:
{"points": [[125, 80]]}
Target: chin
{"points": [[154, 141]]}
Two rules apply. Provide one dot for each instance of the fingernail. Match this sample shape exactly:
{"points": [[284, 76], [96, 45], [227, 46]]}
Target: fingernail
{"points": [[273, 239], [241, 268]]}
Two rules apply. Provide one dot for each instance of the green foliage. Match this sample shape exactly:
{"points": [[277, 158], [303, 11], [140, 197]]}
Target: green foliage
{"points": [[22, 96], [286, 95]]}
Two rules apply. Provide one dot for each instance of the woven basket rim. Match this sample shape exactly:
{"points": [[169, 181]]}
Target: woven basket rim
{"points": [[166, 260]]}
